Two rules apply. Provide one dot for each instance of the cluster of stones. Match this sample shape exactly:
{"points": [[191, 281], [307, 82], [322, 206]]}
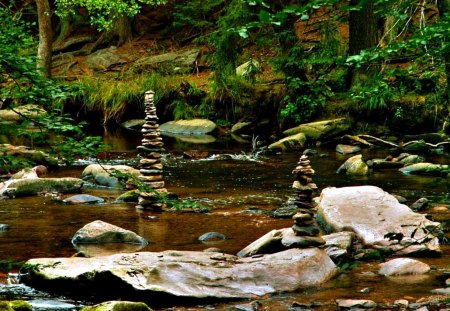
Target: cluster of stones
{"points": [[151, 167], [305, 225]]}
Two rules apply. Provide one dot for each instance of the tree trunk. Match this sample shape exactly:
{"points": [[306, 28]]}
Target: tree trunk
{"points": [[363, 35], [123, 29], [444, 9], [44, 54]]}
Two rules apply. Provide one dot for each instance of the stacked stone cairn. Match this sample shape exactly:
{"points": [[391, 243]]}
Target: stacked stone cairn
{"points": [[305, 226], [151, 167]]}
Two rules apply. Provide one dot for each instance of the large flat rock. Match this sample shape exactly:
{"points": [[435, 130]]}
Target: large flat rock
{"points": [[181, 274], [189, 127], [371, 213]]}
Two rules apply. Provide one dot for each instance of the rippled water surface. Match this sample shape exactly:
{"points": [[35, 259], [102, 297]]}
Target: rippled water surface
{"points": [[237, 190]]}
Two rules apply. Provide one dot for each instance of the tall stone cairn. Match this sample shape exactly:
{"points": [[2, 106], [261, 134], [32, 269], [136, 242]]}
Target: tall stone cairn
{"points": [[305, 225], [151, 167]]}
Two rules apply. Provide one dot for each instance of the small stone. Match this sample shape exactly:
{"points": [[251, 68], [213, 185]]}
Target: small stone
{"points": [[302, 217], [420, 205], [401, 303], [346, 149], [306, 230], [151, 172], [155, 184], [150, 178], [147, 161]]}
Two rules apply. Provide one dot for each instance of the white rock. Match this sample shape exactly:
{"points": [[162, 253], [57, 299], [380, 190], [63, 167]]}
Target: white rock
{"points": [[403, 266]]}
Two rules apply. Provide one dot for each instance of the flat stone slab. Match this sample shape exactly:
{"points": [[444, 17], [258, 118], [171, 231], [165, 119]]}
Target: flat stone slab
{"points": [[188, 127], [371, 213], [181, 274]]}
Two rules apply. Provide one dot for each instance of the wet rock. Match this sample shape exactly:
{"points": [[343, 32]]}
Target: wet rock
{"points": [[212, 237], [105, 175], [426, 169], [135, 124], [354, 166], [195, 139], [83, 198], [412, 159], [106, 249], [346, 149], [268, 243], [372, 213], [338, 244], [118, 306], [441, 291], [23, 153], [420, 205], [241, 128], [419, 146], [401, 303], [178, 273], [321, 130], [100, 232], [189, 127], [252, 306], [195, 154], [179, 62], [285, 211], [382, 164], [356, 303], [400, 199], [31, 111], [33, 186], [131, 196], [4, 227], [403, 266], [104, 59], [290, 239], [213, 250], [290, 143], [51, 305], [309, 152]]}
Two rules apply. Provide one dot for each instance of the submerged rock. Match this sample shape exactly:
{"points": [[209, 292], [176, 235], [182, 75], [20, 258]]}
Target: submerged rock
{"points": [[372, 213], [403, 266], [118, 306], [105, 175], [181, 274], [100, 232], [83, 198], [189, 127], [426, 169], [33, 186], [212, 237], [290, 143]]}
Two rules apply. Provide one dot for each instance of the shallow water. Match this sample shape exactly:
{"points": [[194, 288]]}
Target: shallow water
{"points": [[236, 191]]}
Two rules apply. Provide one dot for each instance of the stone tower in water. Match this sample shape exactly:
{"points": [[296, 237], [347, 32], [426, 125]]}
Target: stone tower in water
{"points": [[151, 167]]}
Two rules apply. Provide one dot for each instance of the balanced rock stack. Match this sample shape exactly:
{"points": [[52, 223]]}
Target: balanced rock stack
{"points": [[151, 167], [305, 225]]}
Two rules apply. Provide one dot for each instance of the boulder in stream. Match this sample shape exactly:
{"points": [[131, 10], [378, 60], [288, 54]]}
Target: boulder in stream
{"points": [[145, 276], [426, 169], [189, 127], [372, 213], [33, 186], [104, 175], [290, 143], [321, 130], [403, 266], [354, 166], [82, 199]]}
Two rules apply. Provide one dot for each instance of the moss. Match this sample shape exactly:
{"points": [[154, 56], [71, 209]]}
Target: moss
{"points": [[15, 305], [119, 306]]}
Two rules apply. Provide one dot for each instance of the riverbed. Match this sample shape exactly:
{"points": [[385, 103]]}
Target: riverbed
{"points": [[238, 189]]}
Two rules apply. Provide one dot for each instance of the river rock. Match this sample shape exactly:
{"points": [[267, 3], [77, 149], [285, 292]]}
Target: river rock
{"points": [[412, 159], [118, 306], [104, 174], [131, 196], [26, 187], [419, 146], [241, 128], [426, 169], [354, 166], [212, 237], [347, 149], [50, 305], [197, 139], [31, 111], [180, 62], [441, 291], [23, 153], [100, 232], [372, 213], [268, 243], [146, 275], [420, 205], [105, 59], [403, 266], [338, 244], [189, 127], [356, 303], [290, 143], [321, 130], [83, 198]]}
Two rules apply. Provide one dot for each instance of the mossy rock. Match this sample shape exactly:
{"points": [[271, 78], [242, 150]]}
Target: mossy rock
{"points": [[15, 305], [321, 130], [119, 306], [26, 187], [294, 142], [131, 196]]}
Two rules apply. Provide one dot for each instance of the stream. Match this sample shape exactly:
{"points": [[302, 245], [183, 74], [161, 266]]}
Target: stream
{"points": [[237, 189]]}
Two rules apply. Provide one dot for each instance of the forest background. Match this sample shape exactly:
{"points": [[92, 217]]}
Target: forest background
{"points": [[385, 64]]}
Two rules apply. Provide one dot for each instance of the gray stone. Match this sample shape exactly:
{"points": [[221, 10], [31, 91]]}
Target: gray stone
{"points": [[372, 213], [420, 205], [412, 159], [356, 303], [290, 143], [338, 244], [321, 130], [403, 266], [241, 127], [179, 62], [51, 305], [104, 59], [382, 164], [83, 198], [249, 69], [426, 169], [100, 232], [104, 175], [212, 236], [179, 273], [268, 243], [441, 291], [31, 111], [346, 149], [354, 166], [189, 127], [33, 186], [290, 240]]}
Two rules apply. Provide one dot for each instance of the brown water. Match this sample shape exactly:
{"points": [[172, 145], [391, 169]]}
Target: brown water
{"points": [[235, 191]]}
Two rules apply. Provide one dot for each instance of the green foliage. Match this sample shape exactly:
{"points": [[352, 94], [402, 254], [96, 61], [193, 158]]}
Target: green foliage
{"points": [[7, 265], [103, 13], [376, 94], [197, 15]]}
